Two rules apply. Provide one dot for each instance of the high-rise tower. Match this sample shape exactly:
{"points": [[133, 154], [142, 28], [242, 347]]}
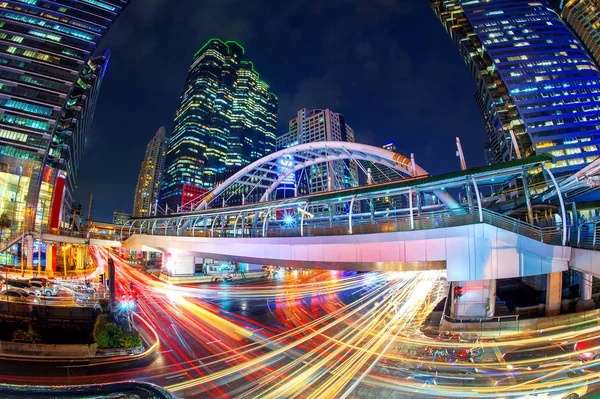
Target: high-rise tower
{"points": [[146, 191], [226, 119], [49, 80], [535, 80], [584, 17], [321, 125]]}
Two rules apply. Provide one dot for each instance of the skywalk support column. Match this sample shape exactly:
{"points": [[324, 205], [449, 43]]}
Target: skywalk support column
{"points": [[474, 299], [29, 252], [553, 293], [585, 301], [80, 265], [51, 251], [491, 300]]}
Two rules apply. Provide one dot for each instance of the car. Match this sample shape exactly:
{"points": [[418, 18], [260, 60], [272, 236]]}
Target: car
{"points": [[526, 359], [591, 347], [16, 295], [18, 284], [84, 289], [563, 391], [41, 289], [42, 280]]}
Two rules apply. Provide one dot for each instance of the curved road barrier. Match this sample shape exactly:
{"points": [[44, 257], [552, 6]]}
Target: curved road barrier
{"points": [[126, 390]]}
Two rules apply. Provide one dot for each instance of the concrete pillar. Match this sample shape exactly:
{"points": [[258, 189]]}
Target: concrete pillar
{"points": [[29, 253], [180, 265], [80, 258], [477, 301], [451, 299], [50, 259], [491, 304], [585, 301], [553, 293]]}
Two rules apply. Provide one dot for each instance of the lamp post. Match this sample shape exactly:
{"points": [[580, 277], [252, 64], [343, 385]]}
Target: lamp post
{"points": [[40, 242], [23, 244]]}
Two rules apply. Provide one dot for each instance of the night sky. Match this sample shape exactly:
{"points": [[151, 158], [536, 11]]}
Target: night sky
{"points": [[387, 65]]}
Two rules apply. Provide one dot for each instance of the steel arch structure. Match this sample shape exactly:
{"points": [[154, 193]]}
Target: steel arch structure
{"points": [[270, 171]]}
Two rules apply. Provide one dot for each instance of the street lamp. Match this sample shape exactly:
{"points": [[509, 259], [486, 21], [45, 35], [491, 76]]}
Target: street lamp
{"points": [[26, 220]]}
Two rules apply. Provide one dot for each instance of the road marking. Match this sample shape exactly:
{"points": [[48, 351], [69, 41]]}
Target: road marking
{"points": [[174, 376]]}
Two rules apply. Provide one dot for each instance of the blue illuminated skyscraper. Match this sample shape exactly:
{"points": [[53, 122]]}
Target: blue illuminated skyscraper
{"points": [[534, 78], [49, 80]]}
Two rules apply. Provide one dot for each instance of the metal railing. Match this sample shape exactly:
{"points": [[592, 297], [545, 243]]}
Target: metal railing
{"points": [[585, 235], [339, 226], [471, 319]]}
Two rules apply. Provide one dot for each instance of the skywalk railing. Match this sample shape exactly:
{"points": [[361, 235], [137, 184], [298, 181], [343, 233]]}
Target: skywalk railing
{"points": [[385, 224], [584, 235]]}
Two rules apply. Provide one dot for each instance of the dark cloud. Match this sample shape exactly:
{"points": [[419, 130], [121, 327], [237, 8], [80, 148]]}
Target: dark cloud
{"points": [[387, 65]]}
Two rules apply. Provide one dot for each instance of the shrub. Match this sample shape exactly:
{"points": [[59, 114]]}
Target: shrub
{"points": [[29, 335], [131, 340], [107, 334]]}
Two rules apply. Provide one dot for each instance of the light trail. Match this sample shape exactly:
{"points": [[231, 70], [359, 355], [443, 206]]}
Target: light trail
{"points": [[329, 335]]}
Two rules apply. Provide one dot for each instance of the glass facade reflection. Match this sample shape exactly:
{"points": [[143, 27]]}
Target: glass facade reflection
{"points": [[535, 80], [49, 81]]}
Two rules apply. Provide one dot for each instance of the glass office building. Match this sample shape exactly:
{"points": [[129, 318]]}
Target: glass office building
{"points": [[313, 125], [50, 77], [148, 184], [226, 119], [535, 80], [583, 16]]}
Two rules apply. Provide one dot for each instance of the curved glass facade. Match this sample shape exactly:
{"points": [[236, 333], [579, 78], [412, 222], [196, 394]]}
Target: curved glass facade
{"points": [[49, 82], [534, 79]]}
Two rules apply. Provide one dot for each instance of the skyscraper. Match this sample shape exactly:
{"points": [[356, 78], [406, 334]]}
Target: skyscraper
{"points": [[534, 79], [321, 125], [146, 190], [381, 174], [49, 82], [584, 16], [226, 119]]}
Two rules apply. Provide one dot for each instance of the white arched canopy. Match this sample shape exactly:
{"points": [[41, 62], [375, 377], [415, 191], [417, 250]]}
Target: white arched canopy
{"points": [[270, 171]]}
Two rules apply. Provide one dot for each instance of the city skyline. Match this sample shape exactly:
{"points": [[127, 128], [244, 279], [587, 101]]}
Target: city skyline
{"points": [[404, 202], [301, 68]]}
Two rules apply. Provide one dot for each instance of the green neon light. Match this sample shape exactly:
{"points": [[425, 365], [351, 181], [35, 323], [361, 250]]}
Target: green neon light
{"points": [[216, 39], [233, 41], [207, 43]]}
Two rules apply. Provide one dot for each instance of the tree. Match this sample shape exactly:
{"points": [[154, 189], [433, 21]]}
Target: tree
{"points": [[5, 223]]}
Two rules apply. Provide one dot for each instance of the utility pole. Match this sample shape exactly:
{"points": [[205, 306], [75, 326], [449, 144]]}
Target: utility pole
{"points": [[89, 212], [463, 166], [111, 284], [460, 154]]}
